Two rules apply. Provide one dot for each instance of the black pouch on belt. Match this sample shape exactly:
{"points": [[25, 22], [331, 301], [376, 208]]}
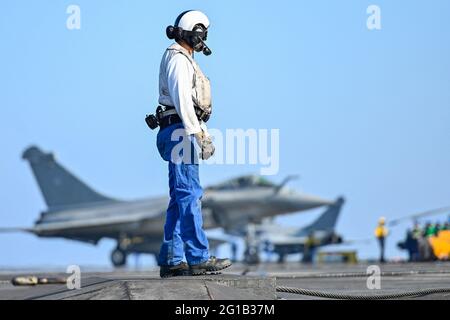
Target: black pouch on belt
{"points": [[152, 120]]}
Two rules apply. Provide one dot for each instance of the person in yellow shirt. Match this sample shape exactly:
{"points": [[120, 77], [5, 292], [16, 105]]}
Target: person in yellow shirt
{"points": [[381, 232]]}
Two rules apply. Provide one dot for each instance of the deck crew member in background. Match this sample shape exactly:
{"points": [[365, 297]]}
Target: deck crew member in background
{"points": [[381, 232]]}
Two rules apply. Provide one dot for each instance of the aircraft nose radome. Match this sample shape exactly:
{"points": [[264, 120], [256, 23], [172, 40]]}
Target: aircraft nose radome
{"points": [[309, 201]]}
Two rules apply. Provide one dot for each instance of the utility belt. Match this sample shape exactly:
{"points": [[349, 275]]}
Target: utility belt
{"points": [[166, 116]]}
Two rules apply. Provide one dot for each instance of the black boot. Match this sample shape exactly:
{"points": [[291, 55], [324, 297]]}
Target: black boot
{"points": [[211, 265], [181, 269]]}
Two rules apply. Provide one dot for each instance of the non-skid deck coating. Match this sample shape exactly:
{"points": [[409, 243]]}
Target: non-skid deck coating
{"points": [[236, 283]]}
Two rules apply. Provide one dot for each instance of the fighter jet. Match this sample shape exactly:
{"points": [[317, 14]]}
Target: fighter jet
{"points": [[284, 240], [75, 211]]}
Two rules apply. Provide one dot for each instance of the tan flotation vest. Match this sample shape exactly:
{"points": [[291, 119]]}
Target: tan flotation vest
{"points": [[201, 95]]}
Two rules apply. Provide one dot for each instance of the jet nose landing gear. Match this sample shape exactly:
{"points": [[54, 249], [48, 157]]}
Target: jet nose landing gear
{"points": [[118, 257]]}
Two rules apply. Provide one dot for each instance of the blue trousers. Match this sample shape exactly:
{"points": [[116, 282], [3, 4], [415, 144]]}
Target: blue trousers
{"points": [[183, 230]]}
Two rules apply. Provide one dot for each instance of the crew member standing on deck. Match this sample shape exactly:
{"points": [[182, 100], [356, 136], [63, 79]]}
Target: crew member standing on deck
{"points": [[381, 232], [185, 105]]}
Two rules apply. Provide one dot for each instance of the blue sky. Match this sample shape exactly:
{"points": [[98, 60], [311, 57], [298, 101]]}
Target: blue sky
{"points": [[364, 114]]}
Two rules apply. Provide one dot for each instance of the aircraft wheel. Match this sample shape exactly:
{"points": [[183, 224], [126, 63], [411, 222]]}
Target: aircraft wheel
{"points": [[281, 258], [118, 257]]}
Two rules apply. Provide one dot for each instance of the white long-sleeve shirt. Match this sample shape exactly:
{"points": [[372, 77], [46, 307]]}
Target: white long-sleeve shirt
{"points": [[176, 78]]}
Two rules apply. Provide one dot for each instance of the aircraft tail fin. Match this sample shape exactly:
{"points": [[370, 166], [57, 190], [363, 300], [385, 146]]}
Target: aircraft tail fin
{"points": [[59, 187], [327, 221]]}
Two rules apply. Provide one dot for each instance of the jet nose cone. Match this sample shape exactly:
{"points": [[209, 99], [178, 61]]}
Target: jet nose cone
{"points": [[313, 201], [304, 201]]}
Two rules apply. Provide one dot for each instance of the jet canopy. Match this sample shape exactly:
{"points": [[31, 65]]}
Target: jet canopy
{"points": [[252, 181]]}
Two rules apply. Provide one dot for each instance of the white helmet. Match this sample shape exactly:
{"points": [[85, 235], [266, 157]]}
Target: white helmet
{"points": [[192, 27], [189, 19]]}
